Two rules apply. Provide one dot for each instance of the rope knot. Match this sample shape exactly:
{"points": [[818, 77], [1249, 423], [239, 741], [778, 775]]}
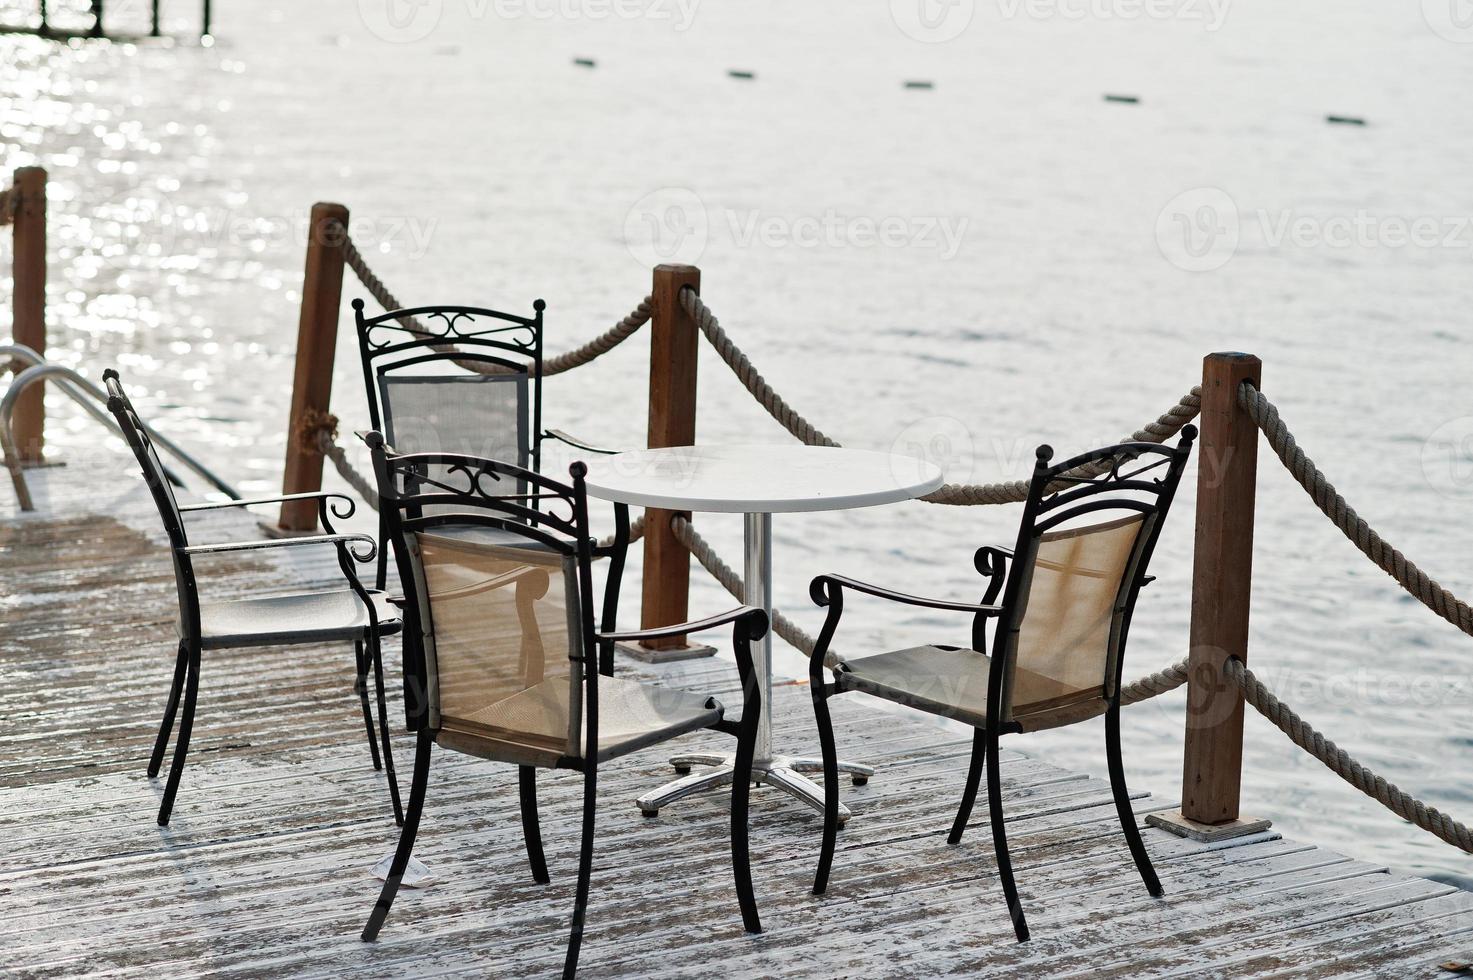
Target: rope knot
{"points": [[316, 431]]}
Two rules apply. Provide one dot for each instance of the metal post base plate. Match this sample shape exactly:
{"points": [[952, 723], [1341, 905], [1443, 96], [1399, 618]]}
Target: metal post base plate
{"points": [[782, 771]]}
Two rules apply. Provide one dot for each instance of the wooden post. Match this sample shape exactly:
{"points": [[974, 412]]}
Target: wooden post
{"points": [[317, 334], [154, 31], [97, 18], [204, 30], [29, 304], [1222, 578], [673, 353]]}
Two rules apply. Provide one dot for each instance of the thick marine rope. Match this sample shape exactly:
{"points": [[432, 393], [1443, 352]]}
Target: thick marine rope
{"points": [[1391, 561], [1340, 762], [806, 432], [556, 364]]}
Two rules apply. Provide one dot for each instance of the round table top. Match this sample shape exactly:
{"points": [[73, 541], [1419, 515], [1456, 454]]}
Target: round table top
{"points": [[759, 479]]}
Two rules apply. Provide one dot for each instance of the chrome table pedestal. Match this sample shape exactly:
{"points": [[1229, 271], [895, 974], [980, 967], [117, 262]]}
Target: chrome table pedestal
{"points": [[781, 771]]}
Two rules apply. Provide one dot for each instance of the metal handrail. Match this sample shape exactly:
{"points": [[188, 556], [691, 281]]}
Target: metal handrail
{"points": [[87, 395]]}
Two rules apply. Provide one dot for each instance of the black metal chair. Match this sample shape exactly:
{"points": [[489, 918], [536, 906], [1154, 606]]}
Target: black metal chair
{"points": [[467, 381], [355, 614], [499, 639], [1059, 638]]}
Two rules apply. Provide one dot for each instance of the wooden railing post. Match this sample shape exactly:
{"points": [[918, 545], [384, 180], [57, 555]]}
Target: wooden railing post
{"points": [[317, 334], [673, 354], [29, 304], [1222, 579]]}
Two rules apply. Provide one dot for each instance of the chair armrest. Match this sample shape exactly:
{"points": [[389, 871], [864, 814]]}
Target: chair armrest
{"points": [[347, 542], [820, 595], [563, 437], [281, 498], [755, 619], [992, 561]]}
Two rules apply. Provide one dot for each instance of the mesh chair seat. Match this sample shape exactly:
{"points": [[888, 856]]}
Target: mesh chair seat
{"points": [[531, 726], [481, 534], [307, 617], [953, 683]]}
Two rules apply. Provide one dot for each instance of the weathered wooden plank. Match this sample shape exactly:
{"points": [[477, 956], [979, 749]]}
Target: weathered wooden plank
{"points": [[264, 868]]}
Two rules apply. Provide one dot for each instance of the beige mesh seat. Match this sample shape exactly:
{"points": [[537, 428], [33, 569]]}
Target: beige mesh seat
{"points": [[501, 658], [1068, 591]]}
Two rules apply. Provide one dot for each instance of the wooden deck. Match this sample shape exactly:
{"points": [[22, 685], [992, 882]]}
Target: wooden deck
{"points": [[264, 870]]}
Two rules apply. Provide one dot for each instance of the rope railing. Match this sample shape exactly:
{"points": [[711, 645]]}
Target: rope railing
{"points": [[1391, 561], [1340, 762], [557, 364], [956, 494]]}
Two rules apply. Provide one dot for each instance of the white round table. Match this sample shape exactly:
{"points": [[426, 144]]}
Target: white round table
{"points": [[757, 481]]}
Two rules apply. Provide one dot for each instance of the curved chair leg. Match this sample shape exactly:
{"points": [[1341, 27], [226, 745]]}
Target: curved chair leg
{"points": [[1000, 840], [406, 837], [830, 789], [181, 665], [376, 651], [360, 688], [585, 870], [741, 794], [1122, 803], [181, 744], [969, 792], [531, 830]]}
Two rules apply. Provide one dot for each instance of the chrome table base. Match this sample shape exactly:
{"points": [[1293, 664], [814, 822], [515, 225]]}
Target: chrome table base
{"points": [[784, 772], [769, 768]]}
